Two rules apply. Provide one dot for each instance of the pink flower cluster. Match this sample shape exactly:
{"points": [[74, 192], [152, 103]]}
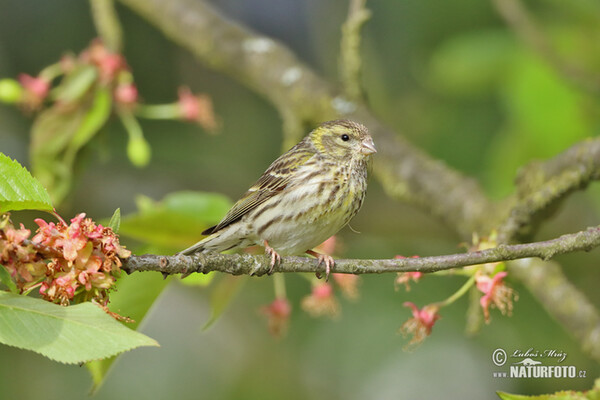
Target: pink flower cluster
{"points": [[404, 278], [76, 262], [321, 302], [421, 324], [22, 262], [278, 315], [196, 108], [495, 293], [108, 63], [35, 90]]}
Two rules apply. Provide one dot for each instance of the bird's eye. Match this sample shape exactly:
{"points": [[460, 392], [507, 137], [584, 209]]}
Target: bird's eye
{"points": [[345, 137]]}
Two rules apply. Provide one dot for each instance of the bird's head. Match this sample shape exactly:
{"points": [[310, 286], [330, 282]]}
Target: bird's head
{"points": [[343, 139]]}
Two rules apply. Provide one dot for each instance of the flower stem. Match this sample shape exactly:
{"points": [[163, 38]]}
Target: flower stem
{"points": [[279, 283], [51, 71], [158, 111], [107, 24], [459, 293]]}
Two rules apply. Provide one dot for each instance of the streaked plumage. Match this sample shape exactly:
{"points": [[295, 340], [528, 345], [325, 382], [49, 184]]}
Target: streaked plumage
{"points": [[306, 195]]}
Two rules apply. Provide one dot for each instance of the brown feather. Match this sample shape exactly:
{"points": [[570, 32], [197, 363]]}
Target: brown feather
{"points": [[273, 181]]}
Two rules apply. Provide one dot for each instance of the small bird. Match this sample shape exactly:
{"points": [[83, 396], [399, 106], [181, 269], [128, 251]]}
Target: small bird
{"points": [[307, 195]]}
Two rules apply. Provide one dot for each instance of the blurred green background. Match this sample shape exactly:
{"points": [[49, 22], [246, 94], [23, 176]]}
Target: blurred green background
{"points": [[449, 75]]}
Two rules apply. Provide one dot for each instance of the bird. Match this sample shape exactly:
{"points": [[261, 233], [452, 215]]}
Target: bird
{"points": [[305, 196]]}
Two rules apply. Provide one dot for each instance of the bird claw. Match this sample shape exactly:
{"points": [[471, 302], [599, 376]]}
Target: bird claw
{"points": [[329, 263], [275, 257], [323, 259]]}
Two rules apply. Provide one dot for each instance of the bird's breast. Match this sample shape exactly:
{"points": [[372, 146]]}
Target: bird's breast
{"points": [[313, 207]]}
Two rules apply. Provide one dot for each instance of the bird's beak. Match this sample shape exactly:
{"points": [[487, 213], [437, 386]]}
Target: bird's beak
{"points": [[367, 146]]}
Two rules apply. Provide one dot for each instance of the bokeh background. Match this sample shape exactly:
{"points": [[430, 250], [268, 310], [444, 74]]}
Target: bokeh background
{"points": [[450, 76]]}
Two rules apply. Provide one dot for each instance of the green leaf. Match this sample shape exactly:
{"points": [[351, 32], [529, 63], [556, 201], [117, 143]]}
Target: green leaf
{"points": [[51, 133], [593, 394], [564, 395], [93, 120], [52, 130], [7, 280], [69, 335], [76, 84], [508, 396], [471, 64], [115, 221], [222, 295], [19, 190], [175, 222], [145, 203], [58, 134], [133, 298], [170, 224]]}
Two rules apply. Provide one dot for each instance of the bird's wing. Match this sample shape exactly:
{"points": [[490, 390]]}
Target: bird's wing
{"points": [[275, 179]]}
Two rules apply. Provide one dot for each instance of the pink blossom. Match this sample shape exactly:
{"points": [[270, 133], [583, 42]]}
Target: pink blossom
{"points": [[278, 315], [421, 324], [108, 63], [36, 90], [17, 236], [348, 284], [321, 302], [197, 109], [495, 293], [47, 233], [405, 278], [69, 262], [126, 94]]}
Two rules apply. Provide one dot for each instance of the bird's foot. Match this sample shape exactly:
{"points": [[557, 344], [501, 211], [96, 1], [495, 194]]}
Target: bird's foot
{"points": [[275, 257], [323, 259]]}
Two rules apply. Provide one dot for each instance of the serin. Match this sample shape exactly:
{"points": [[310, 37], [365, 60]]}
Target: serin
{"points": [[307, 195]]}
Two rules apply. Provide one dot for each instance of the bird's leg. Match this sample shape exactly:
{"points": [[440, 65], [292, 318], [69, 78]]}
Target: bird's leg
{"points": [[275, 258], [323, 258]]}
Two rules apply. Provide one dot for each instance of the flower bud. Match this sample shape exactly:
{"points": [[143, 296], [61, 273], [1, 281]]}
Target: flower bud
{"points": [[138, 151], [10, 91]]}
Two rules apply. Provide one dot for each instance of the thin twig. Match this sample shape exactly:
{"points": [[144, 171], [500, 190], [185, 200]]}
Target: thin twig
{"points": [[350, 59], [540, 185], [245, 264], [107, 24]]}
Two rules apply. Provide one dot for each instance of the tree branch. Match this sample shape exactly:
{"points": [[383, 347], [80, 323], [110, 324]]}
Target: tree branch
{"points": [[246, 264], [350, 60], [542, 185]]}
